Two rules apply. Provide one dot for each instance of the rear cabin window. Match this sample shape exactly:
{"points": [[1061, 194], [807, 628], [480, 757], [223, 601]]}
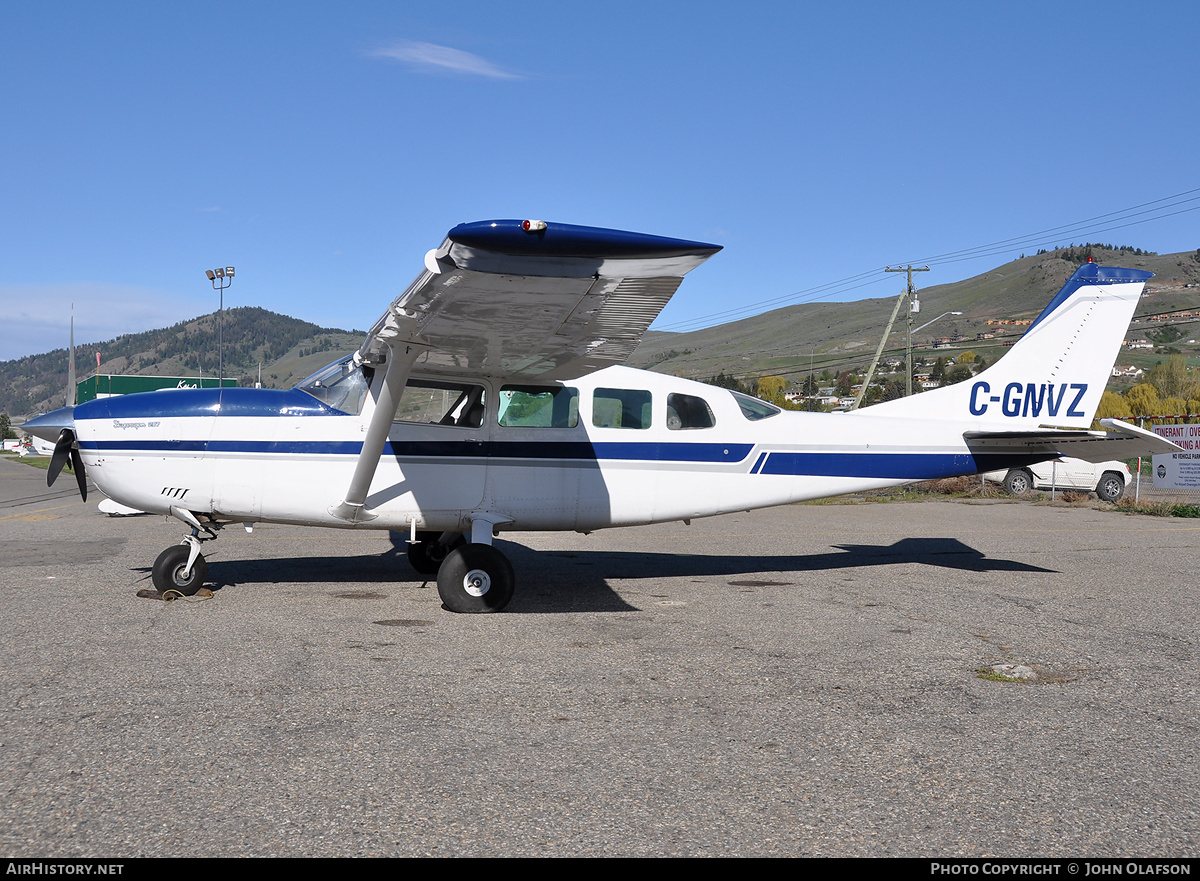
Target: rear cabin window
{"points": [[688, 411], [754, 409], [621, 408], [434, 402], [539, 407]]}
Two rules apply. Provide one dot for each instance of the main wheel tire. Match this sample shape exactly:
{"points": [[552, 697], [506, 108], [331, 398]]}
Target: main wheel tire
{"points": [[168, 571], [1018, 482], [426, 553], [476, 578], [1111, 487]]}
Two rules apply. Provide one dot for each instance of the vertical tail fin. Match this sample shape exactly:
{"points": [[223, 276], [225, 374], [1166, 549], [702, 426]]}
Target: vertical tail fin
{"points": [[1056, 372]]}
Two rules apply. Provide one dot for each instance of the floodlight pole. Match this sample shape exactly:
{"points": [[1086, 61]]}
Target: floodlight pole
{"points": [[221, 278], [925, 325]]}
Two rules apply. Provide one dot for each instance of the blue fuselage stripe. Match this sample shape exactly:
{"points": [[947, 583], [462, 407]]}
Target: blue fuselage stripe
{"points": [[551, 450], [890, 466]]}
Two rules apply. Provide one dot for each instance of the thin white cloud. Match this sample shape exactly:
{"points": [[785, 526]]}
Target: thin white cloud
{"points": [[442, 59], [37, 318]]}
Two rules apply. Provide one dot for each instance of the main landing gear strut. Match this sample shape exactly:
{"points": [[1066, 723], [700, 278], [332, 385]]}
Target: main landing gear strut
{"points": [[472, 577]]}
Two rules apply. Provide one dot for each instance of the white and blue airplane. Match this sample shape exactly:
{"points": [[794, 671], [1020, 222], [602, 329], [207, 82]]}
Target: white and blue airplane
{"points": [[490, 397]]}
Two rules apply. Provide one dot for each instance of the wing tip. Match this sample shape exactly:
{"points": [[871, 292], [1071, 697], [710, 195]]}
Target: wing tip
{"points": [[569, 240]]}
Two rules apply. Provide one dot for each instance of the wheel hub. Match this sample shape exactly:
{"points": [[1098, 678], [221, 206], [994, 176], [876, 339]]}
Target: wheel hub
{"points": [[477, 582]]}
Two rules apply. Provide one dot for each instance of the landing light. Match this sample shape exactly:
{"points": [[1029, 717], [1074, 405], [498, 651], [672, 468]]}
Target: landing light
{"points": [[533, 225]]}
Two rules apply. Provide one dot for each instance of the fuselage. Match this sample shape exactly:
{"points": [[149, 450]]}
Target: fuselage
{"points": [[616, 447]]}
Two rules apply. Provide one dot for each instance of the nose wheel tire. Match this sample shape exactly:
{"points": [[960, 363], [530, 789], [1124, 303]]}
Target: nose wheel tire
{"points": [[475, 578], [168, 572]]}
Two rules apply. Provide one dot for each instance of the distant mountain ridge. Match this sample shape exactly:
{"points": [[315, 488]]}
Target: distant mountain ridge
{"points": [[781, 341], [283, 345]]}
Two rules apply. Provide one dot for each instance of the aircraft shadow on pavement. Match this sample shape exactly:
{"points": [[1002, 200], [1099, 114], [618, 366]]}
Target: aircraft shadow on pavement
{"points": [[578, 580]]}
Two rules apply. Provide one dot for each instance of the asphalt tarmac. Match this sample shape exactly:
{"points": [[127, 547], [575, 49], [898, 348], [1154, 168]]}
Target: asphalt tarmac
{"points": [[798, 681]]}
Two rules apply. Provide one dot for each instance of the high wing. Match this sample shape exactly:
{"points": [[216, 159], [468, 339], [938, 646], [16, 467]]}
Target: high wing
{"points": [[518, 300], [525, 299], [1121, 441]]}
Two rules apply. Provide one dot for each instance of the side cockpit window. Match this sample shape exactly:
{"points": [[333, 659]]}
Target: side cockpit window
{"points": [[688, 411], [538, 407], [621, 408], [433, 402]]}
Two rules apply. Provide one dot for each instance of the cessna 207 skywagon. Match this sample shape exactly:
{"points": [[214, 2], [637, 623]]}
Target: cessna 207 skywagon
{"points": [[489, 397]]}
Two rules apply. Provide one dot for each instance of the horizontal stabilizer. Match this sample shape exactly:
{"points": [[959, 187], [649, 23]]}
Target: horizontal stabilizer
{"points": [[1121, 441]]}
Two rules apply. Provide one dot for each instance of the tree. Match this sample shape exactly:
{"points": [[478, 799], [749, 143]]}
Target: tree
{"points": [[771, 387], [721, 380], [1113, 406], [1172, 379], [893, 390], [958, 374], [6, 431], [1142, 400]]}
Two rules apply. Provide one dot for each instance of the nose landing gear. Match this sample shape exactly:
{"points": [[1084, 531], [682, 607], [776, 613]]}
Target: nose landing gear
{"points": [[176, 570], [181, 568]]}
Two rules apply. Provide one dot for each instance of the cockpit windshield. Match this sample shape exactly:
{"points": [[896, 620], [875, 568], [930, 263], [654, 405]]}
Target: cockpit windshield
{"points": [[342, 385]]}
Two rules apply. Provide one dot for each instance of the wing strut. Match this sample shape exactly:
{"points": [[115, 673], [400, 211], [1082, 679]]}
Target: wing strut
{"points": [[401, 356]]}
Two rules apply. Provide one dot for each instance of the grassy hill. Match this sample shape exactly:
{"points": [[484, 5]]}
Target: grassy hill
{"points": [[837, 336], [287, 348]]}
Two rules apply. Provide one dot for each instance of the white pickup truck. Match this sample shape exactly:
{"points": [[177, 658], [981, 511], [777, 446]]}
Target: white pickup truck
{"points": [[1106, 479]]}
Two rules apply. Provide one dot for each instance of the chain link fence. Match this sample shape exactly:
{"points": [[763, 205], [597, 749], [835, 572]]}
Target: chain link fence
{"points": [[1143, 488]]}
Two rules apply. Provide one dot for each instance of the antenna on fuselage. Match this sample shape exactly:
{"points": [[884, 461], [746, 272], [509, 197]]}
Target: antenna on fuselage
{"points": [[71, 391]]}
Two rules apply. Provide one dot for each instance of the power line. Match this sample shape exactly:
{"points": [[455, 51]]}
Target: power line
{"points": [[1157, 209]]}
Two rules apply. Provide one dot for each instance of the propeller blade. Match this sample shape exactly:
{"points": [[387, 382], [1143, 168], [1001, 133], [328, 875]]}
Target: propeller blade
{"points": [[80, 477], [62, 449]]}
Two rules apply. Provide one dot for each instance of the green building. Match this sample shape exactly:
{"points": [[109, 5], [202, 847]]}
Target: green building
{"points": [[106, 385]]}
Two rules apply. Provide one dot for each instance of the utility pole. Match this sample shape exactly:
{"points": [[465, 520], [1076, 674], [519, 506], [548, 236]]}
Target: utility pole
{"points": [[879, 351], [910, 290]]}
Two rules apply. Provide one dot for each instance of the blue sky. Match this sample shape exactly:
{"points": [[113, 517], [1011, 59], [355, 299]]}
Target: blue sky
{"points": [[322, 148]]}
